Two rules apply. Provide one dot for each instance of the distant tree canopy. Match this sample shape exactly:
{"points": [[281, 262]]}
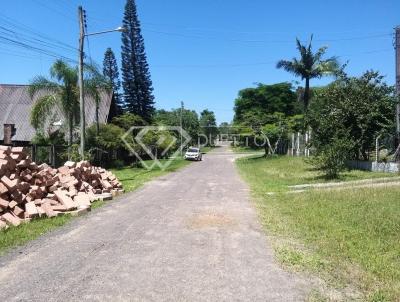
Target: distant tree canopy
{"points": [[259, 104], [190, 120], [270, 111], [208, 124]]}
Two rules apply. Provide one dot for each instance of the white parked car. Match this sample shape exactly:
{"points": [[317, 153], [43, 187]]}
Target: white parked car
{"points": [[193, 153]]}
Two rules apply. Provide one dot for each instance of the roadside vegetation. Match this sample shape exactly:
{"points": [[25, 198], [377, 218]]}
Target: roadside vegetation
{"points": [[133, 178], [276, 173], [348, 237], [348, 234]]}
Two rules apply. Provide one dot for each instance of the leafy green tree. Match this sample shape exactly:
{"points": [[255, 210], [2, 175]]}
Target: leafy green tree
{"points": [[226, 129], [257, 105], [357, 109], [127, 120], [111, 73], [108, 138], [190, 120], [136, 81], [60, 91], [160, 142], [208, 125], [310, 65]]}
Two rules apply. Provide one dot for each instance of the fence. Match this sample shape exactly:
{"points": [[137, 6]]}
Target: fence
{"points": [[299, 144], [57, 155], [53, 155]]}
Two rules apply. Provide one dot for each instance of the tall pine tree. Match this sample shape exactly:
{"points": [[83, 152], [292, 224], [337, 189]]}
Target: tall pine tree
{"points": [[136, 81], [110, 71]]}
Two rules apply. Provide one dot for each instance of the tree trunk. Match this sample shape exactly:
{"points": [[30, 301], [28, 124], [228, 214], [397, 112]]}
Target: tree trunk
{"points": [[266, 149], [70, 134], [97, 120], [306, 97]]}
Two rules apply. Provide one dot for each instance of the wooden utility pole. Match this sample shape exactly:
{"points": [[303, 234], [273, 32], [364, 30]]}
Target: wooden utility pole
{"points": [[181, 125], [81, 94], [397, 48]]}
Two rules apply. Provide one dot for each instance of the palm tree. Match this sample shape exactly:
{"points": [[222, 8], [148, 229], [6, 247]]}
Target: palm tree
{"points": [[60, 91], [93, 84], [310, 66]]}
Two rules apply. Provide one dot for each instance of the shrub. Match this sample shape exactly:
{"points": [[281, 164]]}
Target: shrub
{"points": [[331, 158], [117, 164], [75, 154]]}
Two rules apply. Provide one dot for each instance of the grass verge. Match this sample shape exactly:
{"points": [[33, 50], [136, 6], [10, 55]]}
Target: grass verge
{"points": [[241, 149], [16, 236], [350, 238], [131, 178], [274, 174]]}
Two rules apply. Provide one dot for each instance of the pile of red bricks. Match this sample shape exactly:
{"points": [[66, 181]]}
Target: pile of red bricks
{"points": [[28, 190]]}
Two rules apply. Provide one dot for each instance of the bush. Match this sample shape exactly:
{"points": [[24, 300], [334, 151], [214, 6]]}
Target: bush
{"points": [[117, 164], [331, 158], [109, 137], [75, 154]]}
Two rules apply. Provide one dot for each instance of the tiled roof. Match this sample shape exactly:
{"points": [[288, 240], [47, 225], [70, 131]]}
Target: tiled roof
{"points": [[16, 104]]}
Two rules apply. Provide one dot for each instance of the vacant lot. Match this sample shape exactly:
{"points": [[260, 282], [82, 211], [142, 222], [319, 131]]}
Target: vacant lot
{"points": [[348, 237]]}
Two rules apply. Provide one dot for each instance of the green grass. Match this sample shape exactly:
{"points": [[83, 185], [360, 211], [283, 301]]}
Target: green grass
{"points": [[276, 173], [240, 149], [131, 178], [15, 236], [348, 237], [206, 149]]}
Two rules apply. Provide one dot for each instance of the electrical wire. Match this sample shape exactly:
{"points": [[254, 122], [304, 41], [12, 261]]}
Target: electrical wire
{"points": [[61, 13], [29, 31], [264, 41]]}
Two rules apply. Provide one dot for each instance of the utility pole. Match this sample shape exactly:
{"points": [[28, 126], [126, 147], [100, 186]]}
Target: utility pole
{"points": [[81, 93], [181, 125], [397, 48]]}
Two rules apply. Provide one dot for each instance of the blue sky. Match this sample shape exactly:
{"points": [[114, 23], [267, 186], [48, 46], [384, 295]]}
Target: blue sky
{"points": [[204, 52]]}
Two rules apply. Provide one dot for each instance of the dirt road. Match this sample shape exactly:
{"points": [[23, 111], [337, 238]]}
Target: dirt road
{"points": [[192, 235]]}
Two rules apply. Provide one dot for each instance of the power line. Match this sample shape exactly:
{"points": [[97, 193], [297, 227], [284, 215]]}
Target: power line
{"points": [[26, 38], [19, 35], [28, 30], [222, 30], [61, 13], [264, 41], [234, 65], [87, 37], [8, 41]]}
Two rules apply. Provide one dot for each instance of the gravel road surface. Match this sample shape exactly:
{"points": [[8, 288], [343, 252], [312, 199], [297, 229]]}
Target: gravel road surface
{"points": [[192, 235]]}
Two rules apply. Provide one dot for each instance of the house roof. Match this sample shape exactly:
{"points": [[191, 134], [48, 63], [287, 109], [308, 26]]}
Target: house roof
{"points": [[16, 104]]}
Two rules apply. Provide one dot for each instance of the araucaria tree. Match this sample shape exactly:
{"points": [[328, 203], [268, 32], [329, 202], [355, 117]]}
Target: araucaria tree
{"points": [[110, 72], [310, 65], [136, 81]]}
